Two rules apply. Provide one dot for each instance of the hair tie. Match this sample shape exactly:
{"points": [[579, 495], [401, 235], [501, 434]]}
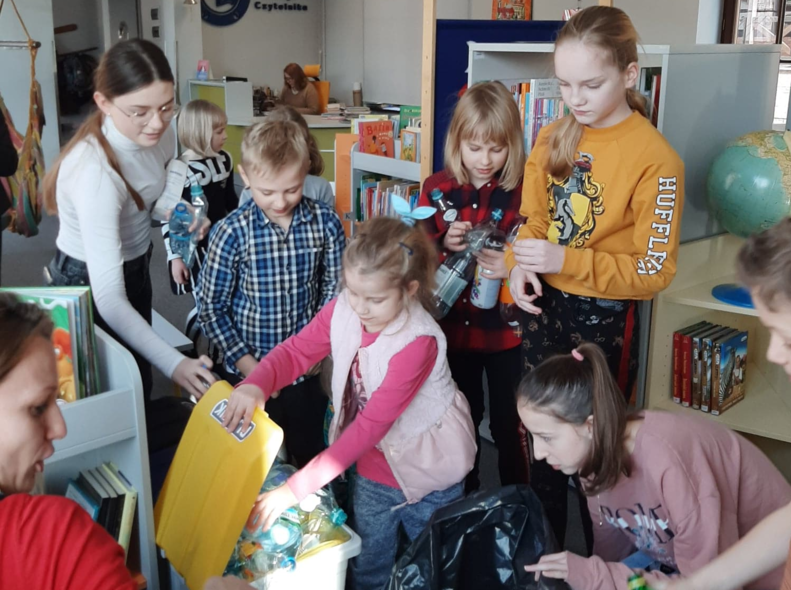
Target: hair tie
{"points": [[577, 355], [407, 248]]}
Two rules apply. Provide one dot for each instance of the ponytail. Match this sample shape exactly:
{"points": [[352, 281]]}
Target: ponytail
{"points": [[572, 388], [610, 30]]}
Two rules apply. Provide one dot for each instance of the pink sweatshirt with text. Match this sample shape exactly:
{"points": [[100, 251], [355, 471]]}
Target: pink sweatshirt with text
{"points": [[406, 373], [695, 488]]}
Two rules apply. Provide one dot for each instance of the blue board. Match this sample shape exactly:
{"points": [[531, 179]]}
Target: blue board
{"points": [[452, 55]]}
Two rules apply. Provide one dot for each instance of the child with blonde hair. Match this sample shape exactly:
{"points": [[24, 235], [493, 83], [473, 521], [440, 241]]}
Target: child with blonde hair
{"points": [[399, 415], [272, 264], [603, 196], [484, 157], [201, 131], [316, 187]]}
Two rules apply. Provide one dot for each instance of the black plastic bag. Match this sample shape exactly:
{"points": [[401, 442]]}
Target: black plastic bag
{"points": [[481, 542]]}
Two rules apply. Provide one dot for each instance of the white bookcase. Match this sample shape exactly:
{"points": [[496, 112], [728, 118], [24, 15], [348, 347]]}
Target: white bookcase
{"points": [[363, 164], [709, 95], [111, 426], [764, 415]]}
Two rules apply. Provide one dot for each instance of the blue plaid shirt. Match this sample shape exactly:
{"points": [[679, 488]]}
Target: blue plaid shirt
{"points": [[261, 284]]}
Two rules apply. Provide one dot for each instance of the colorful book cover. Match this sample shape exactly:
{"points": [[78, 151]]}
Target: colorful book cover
{"points": [[409, 146], [707, 356], [731, 358], [376, 138], [511, 9], [409, 117], [697, 365]]}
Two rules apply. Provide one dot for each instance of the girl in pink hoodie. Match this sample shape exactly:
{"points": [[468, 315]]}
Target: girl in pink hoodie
{"points": [[678, 489], [399, 415]]}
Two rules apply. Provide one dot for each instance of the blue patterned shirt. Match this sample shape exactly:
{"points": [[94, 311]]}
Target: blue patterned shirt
{"points": [[261, 284]]}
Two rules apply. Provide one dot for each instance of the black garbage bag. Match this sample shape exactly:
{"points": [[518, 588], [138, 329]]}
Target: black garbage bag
{"points": [[481, 542]]}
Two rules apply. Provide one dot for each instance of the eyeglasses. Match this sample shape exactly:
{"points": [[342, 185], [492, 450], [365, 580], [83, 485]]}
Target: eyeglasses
{"points": [[143, 118]]}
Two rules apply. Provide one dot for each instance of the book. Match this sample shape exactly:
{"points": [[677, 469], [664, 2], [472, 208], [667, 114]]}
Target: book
{"points": [[686, 363], [706, 365], [376, 138], [130, 502], [74, 491], [730, 364], [409, 116], [511, 9], [677, 359], [88, 482], [410, 146], [697, 339]]}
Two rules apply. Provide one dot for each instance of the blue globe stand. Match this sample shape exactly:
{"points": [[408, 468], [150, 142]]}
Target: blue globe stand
{"points": [[733, 294]]}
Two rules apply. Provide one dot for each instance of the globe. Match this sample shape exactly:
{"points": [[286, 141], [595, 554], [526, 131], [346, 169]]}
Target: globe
{"points": [[749, 183]]}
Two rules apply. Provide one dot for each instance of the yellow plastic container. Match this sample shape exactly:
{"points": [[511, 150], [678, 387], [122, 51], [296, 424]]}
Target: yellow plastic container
{"points": [[211, 486]]}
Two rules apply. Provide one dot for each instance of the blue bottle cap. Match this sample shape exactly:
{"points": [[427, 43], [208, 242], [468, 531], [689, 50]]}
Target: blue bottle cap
{"points": [[196, 189], [497, 214], [338, 517], [289, 564], [436, 194], [181, 208]]}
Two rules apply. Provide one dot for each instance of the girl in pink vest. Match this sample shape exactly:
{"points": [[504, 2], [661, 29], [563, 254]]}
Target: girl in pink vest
{"points": [[399, 415]]}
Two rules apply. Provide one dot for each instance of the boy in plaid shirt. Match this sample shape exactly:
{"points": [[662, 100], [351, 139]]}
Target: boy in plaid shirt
{"points": [[271, 265]]}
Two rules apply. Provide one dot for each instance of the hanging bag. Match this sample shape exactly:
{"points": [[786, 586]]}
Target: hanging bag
{"points": [[22, 188]]}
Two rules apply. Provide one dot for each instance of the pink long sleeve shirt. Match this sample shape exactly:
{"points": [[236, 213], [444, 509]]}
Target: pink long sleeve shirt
{"points": [[695, 488], [358, 443]]}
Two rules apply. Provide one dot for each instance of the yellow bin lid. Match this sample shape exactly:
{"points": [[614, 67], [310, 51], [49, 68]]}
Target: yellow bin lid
{"points": [[211, 487]]}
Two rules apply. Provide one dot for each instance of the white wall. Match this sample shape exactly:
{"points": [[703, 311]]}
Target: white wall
{"points": [[262, 43], [83, 13], [344, 41], [15, 67]]}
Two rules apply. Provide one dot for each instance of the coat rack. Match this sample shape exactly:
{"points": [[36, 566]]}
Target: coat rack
{"points": [[19, 44]]}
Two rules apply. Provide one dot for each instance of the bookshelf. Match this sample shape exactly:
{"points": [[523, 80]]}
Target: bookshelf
{"points": [[111, 426], [707, 97], [362, 164], [764, 415]]}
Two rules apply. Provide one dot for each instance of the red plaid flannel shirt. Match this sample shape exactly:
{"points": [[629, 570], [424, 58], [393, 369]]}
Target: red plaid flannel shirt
{"points": [[469, 328]]}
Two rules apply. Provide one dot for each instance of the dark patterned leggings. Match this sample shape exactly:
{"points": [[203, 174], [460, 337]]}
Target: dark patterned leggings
{"points": [[567, 320]]}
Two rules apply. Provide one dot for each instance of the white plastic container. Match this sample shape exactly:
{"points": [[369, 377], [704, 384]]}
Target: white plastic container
{"points": [[324, 571]]}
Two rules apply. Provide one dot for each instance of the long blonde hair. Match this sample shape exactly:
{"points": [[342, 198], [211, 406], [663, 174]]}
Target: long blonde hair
{"points": [[128, 66], [611, 30], [197, 123], [486, 112], [403, 252]]}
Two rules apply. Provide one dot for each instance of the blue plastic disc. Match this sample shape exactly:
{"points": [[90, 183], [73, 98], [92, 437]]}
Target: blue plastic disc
{"points": [[733, 294]]}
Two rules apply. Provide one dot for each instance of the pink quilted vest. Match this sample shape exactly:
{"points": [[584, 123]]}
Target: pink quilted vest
{"points": [[431, 446]]}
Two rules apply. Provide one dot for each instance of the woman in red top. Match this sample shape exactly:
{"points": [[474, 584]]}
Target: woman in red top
{"points": [[484, 160], [47, 542]]}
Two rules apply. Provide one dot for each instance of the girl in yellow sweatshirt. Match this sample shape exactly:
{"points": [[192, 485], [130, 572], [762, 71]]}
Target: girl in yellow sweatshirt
{"points": [[603, 194]]}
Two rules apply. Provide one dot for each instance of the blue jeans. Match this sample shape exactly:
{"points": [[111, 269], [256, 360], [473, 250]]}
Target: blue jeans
{"points": [[378, 511]]}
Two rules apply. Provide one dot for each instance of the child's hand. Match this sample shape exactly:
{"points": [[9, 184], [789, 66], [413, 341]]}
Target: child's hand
{"points": [[493, 262], [180, 272], [241, 406], [269, 506], [454, 237], [519, 280], [203, 230], [194, 375], [552, 566], [539, 256]]}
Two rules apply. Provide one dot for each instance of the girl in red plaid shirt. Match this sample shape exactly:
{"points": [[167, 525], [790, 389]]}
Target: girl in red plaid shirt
{"points": [[484, 161]]}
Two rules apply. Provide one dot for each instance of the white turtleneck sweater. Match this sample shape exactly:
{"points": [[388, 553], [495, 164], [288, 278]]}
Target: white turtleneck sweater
{"points": [[101, 225]]}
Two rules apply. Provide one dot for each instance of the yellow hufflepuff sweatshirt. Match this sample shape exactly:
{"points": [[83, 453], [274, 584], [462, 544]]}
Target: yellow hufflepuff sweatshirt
{"points": [[618, 214]]}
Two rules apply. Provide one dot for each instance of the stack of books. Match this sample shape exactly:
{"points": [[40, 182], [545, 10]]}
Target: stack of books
{"points": [[374, 196], [540, 103], [73, 337], [709, 367], [108, 497]]}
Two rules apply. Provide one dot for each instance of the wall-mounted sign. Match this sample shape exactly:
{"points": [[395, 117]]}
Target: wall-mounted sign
{"points": [[222, 13]]}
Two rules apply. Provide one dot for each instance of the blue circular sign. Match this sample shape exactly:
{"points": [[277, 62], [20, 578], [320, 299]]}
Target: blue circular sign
{"points": [[224, 12]]}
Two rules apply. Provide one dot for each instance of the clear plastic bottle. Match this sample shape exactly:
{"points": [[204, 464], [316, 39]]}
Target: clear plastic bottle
{"points": [[509, 311], [447, 210], [276, 548], [452, 277], [485, 290], [180, 235]]}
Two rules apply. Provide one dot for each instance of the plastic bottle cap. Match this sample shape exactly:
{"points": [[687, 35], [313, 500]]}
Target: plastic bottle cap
{"points": [[497, 214], [436, 194], [310, 503], [180, 208], [196, 189], [338, 517], [289, 564]]}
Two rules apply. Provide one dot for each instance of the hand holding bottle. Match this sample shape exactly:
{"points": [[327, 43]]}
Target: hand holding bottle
{"points": [[454, 237]]}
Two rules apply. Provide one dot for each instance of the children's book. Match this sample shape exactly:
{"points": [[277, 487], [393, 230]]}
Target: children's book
{"points": [[130, 502], [409, 116], [409, 146], [730, 364], [678, 359], [376, 138], [707, 357]]}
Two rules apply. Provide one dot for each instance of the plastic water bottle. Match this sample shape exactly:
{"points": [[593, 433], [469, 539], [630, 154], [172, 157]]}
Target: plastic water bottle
{"points": [[446, 209], [322, 523], [452, 277], [276, 548], [509, 311], [485, 290], [180, 235], [200, 207]]}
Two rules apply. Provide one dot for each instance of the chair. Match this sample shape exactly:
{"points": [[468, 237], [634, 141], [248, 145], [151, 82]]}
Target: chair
{"points": [[322, 86]]}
